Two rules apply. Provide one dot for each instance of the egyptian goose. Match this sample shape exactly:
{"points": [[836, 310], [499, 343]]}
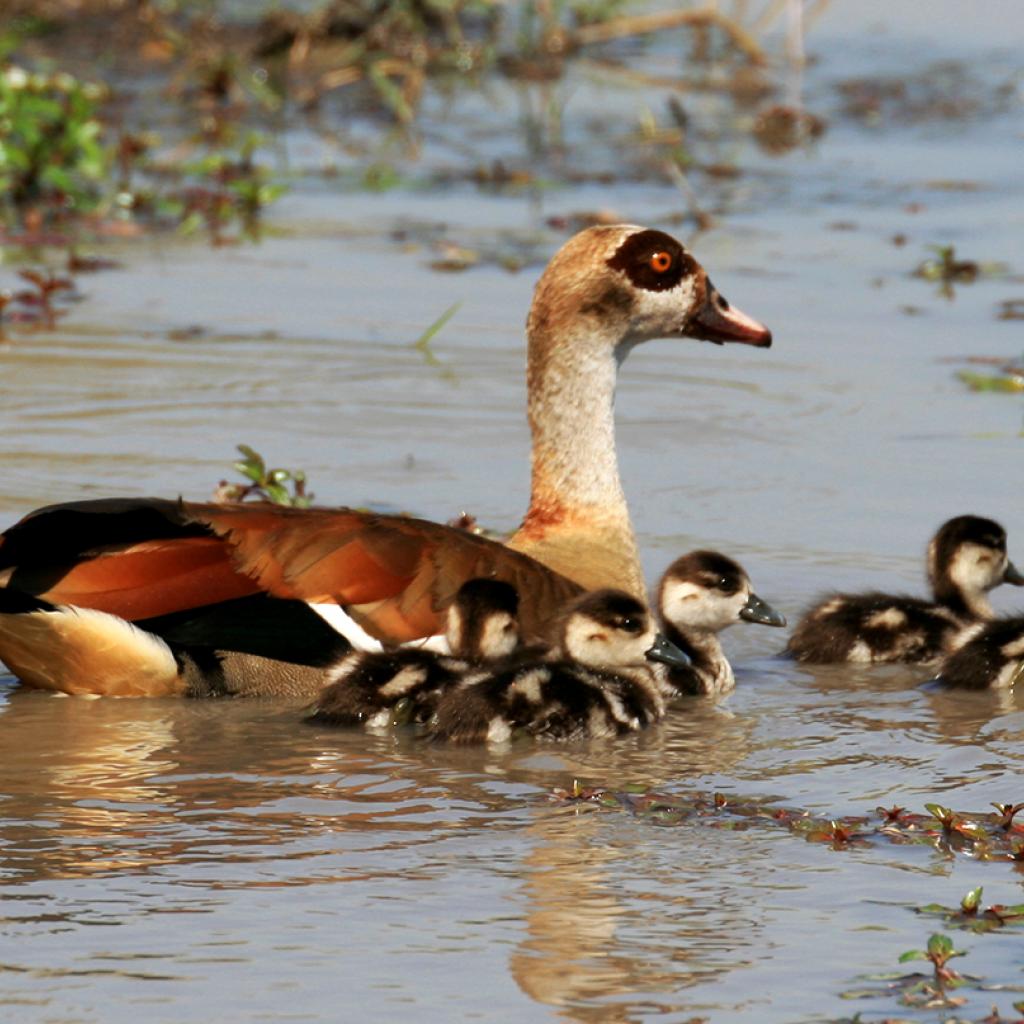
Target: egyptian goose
{"points": [[986, 656], [600, 681], [403, 685], [966, 559], [699, 595], [216, 576]]}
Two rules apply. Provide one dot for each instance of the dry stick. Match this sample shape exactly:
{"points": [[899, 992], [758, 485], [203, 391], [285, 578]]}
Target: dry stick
{"points": [[643, 24]]}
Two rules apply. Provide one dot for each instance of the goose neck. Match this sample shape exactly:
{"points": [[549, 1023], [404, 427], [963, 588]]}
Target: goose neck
{"points": [[578, 521]]}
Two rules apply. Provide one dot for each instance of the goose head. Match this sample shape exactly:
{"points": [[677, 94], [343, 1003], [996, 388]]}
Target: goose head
{"points": [[704, 591], [626, 284], [966, 559], [483, 620], [610, 629]]}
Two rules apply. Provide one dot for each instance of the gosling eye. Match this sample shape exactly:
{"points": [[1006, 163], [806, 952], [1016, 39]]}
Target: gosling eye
{"points": [[628, 624], [726, 585]]}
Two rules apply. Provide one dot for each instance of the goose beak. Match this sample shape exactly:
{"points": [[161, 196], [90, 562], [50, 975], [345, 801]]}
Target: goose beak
{"points": [[719, 322], [667, 653], [756, 610], [1012, 575]]}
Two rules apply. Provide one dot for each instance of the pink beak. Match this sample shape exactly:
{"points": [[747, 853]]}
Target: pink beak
{"points": [[719, 322]]}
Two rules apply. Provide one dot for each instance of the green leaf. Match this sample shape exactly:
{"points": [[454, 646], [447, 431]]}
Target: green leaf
{"points": [[913, 954], [969, 904], [422, 343], [247, 469], [940, 945], [278, 495]]}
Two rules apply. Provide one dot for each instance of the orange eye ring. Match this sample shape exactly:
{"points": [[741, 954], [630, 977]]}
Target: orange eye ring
{"points": [[660, 262]]}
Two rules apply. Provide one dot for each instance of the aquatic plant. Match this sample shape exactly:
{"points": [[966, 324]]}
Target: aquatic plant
{"points": [[972, 916], [981, 836], [264, 484], [37, 304], [53, 160], [422, 343], [938, 953]]}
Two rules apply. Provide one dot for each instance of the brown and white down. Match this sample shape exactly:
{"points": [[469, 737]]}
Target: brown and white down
{"points": [[701, 594], [600, 680], [402, 686], [966, 559], [986, 656]]}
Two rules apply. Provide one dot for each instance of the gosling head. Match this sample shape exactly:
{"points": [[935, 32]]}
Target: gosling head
{"points": [[609, 629], [483, 620], [967, 558], [707, 592]]}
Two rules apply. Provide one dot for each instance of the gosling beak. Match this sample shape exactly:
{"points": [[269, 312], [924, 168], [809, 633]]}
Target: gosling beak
{"points": [[756, 610], [667, 653], [719, 322], [1012, 575]]}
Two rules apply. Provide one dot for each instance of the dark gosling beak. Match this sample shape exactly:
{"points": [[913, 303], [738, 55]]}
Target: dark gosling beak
{"points": [[667, 653], [719, 322], [756, 610], [1012, 575]]}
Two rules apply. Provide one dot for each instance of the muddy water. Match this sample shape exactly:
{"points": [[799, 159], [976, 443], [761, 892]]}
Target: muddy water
{"points": [[165, 861]]}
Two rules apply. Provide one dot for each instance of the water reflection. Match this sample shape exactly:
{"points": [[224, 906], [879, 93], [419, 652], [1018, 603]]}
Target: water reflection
{"points": [[612, 932]]}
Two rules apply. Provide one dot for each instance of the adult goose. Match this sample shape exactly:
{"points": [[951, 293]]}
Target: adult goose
{"points": [[301, 586]]}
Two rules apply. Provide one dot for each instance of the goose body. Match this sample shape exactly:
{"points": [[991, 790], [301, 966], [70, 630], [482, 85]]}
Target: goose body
{"points": [[966, 559], [211, 574], [701, 594], [986, 656], [600, 681], [400, 686]]}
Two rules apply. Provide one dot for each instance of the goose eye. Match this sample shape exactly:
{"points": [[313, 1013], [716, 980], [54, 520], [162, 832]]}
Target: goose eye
{"points": [[660, 262], [725, 585], [629, 625]]}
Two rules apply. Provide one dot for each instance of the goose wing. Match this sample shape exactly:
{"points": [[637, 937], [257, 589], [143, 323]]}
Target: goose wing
{"points": [[143, 558]]}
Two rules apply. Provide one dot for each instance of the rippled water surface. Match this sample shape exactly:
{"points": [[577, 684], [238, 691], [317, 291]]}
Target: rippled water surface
{"points": [[168, 861]]}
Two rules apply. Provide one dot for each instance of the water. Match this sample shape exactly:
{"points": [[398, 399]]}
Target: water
{"points": [[172, 860]]}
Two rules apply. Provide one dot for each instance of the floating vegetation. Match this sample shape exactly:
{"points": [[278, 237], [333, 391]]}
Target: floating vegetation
{"points": [[944, 91], [778, 129], [1011, 309], [264, 484], [39, 304], [1009, 381], [984, 836], [1004, 375], [970, 915], [946, 269]]}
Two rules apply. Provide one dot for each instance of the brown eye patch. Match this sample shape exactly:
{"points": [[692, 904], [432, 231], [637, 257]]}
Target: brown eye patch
{"points": [[653, 261]]}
